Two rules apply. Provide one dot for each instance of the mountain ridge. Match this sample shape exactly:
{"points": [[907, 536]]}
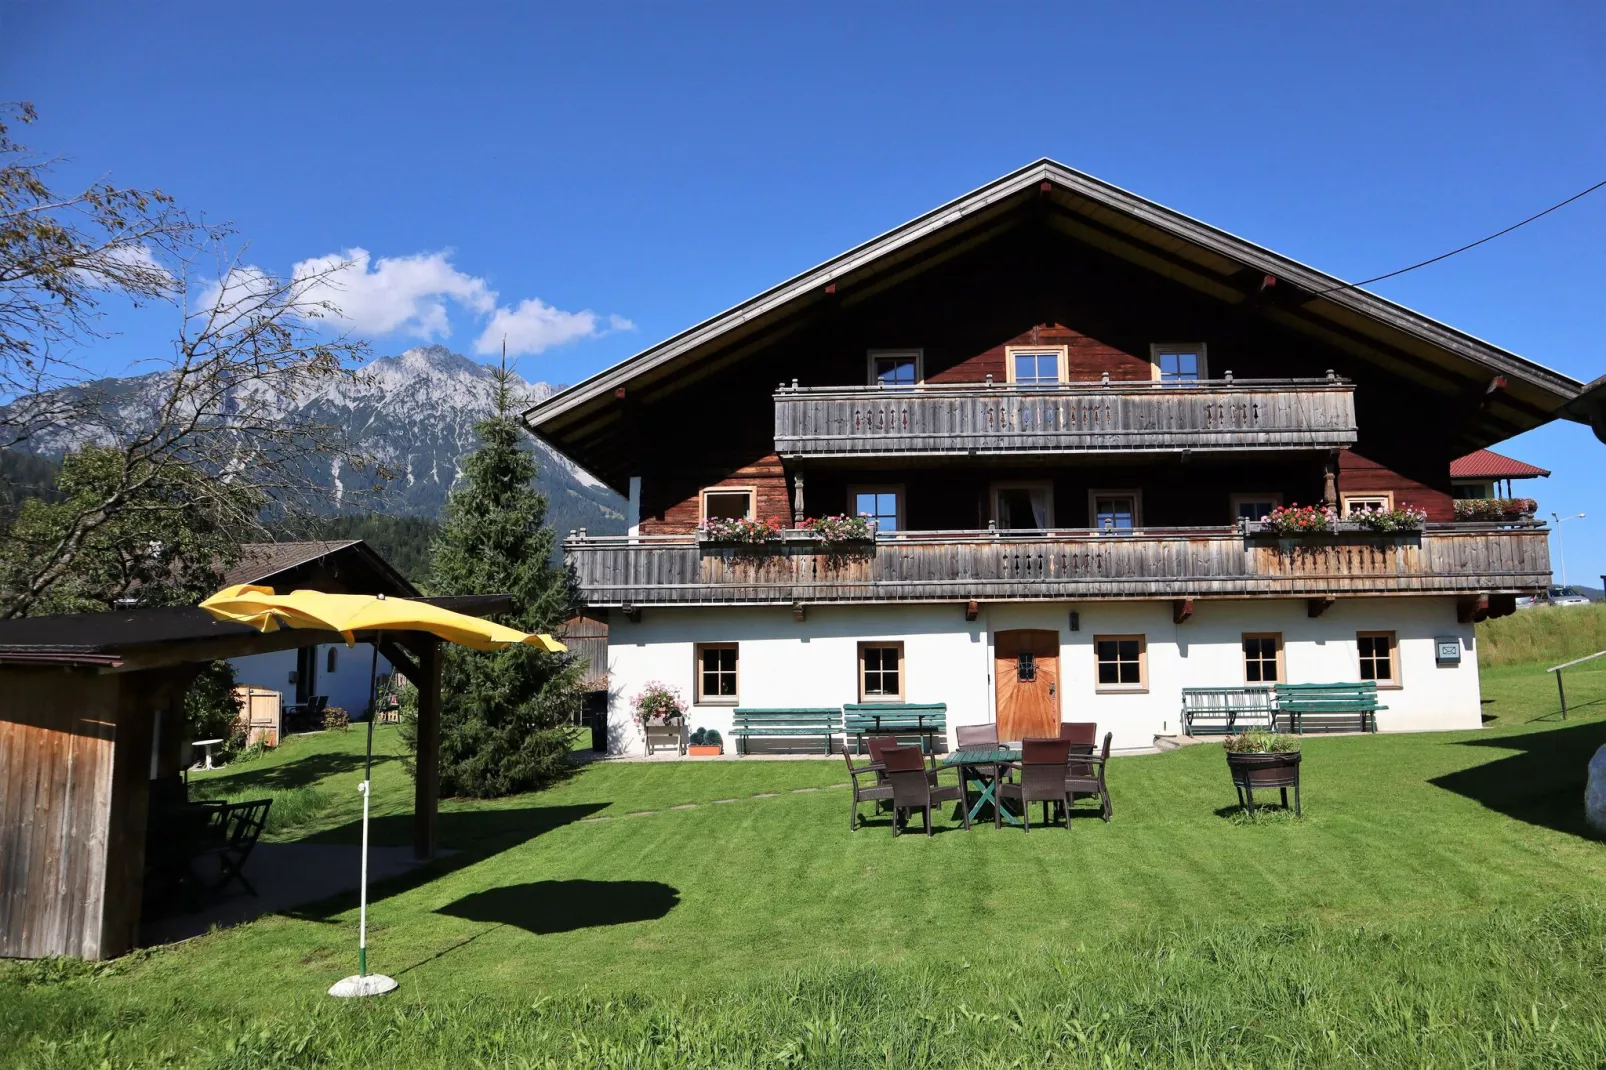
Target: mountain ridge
{"points": [[414, 413]]}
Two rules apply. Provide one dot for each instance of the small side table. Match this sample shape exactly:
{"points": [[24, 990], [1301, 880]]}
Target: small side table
{"points": [[207, 745]]}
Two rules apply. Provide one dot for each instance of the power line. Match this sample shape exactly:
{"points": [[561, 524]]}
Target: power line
{"points": [[1464, 248]]}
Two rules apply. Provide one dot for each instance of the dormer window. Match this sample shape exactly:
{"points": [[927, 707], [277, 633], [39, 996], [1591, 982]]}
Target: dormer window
{"points": [[1035, 365], [895, 367], [1178, 362]]}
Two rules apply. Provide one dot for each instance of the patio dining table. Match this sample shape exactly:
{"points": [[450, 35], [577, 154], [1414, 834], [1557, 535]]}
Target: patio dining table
{"points": [[966, 758]]}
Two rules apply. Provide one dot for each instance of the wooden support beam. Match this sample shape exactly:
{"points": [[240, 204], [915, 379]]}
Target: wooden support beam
{"points": [[800, 612], [427, 764], [399, 657], [632, 612], [1315, 607], [1181, 610], [972, 610]]}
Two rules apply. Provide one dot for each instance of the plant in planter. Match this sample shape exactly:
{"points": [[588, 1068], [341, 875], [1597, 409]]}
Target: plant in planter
{"points": [[334, 717], [841, 528], [1299, 519], [1406, 519], [739, 530], [659, 704], [1492, 509], [706, 741], [1263, 760]]}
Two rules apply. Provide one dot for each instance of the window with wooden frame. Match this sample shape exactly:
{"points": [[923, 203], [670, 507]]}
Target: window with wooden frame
{"points": [[880, 671], [884, 505], [1379, 657], [1254, 506], [1036, 365], [1023, 506], [1263, 658], [1122, 662], [1360, 503], [728, 503], [1178, 362], [1115, 510], [896, 367], [716, 673]]}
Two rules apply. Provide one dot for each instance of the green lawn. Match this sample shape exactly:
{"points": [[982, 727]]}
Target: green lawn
{"points": [[1437, 904]]}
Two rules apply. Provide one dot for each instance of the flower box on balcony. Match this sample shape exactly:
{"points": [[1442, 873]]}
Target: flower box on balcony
{"points": [[1495, 509]]}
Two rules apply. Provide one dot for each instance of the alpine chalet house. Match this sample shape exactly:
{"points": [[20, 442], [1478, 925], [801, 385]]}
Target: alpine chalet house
{"points": [[1077, 425]]}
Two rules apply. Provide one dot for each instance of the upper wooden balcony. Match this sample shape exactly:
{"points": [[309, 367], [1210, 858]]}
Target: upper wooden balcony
{"points": [[1003, 418], [1463, 559]]}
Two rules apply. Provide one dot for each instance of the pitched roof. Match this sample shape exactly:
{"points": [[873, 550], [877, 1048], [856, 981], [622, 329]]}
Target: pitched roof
{"points": [[1206, 258], [260, 561], [1487, 464], [268, 562]]}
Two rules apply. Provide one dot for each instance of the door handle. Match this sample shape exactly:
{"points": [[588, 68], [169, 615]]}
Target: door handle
{"points": [[1050, 689]]}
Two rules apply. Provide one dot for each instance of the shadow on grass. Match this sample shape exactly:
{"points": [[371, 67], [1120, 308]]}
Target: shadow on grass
{"points": [[469, 835], [300, 773], [564, 906], [1544, 785]]}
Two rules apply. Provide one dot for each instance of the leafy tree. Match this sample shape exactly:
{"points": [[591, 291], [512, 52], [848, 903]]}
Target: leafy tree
{"points": [[505, 716], [169, 544], [211, 710]]}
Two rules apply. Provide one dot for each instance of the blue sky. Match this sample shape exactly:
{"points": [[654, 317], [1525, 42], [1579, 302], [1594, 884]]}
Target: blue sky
{"points": [[591, 178]]}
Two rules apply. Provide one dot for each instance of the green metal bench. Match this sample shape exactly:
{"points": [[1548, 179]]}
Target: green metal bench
{"points": [[1208, 711], [923, 719], [789, 723], [1330, 706]]}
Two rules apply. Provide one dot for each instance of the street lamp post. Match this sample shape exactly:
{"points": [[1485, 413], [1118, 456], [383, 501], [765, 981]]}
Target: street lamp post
{"points": [[1561, 550]]}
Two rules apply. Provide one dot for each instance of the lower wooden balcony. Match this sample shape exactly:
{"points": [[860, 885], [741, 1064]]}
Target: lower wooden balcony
{"points": [[955, 566]]}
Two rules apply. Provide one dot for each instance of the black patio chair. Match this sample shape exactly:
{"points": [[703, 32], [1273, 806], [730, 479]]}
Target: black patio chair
{"points": [[235, 830], [1044, 766], [1086, 777], [1083, 735], [914, 787], [877, 791]]}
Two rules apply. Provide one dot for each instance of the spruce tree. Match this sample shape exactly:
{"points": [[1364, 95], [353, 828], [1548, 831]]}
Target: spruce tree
{"points": [[505, 716]]}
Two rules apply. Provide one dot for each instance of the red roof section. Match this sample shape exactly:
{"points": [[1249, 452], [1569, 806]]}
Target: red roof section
{"points": [[1487, 464]]}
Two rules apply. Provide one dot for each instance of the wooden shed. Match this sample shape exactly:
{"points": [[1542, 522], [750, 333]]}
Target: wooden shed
{"points": [[90, 715]]}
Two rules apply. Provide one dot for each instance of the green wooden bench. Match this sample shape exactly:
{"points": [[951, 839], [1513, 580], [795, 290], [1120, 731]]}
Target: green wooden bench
{"points": [[1332, 707], [789, 723], [1208, 711], [923, 719]]}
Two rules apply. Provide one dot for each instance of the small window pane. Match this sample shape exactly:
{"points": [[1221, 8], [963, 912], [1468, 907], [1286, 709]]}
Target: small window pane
{"points": [[1114, 512], [1037, 369], [1255, 510], [880, 506], [881, 671], [728, 505], [1120, 662], [1179, 366], [718, 672], [895, 371]]}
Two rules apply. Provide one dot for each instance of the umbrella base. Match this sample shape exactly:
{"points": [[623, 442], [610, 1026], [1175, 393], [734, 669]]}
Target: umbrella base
{"points": [[373, 984]]}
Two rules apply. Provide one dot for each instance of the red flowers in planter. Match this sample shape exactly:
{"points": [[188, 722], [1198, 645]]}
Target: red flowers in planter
{"points": [[1300, 520]]}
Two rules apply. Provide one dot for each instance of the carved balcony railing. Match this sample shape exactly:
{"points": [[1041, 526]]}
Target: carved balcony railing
{"points": [[989, 418], [950, 566]]}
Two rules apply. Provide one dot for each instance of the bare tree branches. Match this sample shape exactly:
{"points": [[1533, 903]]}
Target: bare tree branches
{"points": [[61, 255]]}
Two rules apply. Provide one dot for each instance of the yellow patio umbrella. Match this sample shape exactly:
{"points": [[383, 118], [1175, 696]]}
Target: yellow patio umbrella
{"points": [[349, 614]]}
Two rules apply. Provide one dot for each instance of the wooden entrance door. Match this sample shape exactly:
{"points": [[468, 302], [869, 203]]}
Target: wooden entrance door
{"points": [[1026, 670]]}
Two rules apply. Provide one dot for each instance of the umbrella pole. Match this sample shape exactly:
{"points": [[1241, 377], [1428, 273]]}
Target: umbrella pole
{"points": [[364, 983]]}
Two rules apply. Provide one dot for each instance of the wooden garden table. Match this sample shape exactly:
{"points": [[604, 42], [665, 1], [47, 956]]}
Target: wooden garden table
{"points": [[987, 792]]}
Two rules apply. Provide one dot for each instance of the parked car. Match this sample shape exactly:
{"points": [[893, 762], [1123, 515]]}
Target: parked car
{"points": [[1556, 596]]}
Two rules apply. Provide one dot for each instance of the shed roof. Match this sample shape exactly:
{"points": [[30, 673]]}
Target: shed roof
{"points": [[283, 564], [1487, 464], [125, 637]]}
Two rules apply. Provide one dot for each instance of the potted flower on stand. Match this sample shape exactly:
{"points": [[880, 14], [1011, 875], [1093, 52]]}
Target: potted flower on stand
{"points": [[1263, 760], [659, 706]]}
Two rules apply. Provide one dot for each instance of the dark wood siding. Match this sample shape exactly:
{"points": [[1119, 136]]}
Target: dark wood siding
{"points": [[1087, 358], [1361, 475]]}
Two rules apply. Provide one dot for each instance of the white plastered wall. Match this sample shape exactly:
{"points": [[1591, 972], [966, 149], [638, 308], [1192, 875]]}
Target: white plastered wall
{"points": [[788, 663], [346, 687]]}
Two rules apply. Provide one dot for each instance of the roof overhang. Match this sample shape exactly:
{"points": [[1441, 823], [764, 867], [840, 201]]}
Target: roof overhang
{"points": [[1524, 394]]}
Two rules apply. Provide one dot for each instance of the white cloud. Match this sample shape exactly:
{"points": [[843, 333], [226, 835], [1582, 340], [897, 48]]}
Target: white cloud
{"points": [[243, 289], [410, 295], [394, 294], [533, 326]]}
